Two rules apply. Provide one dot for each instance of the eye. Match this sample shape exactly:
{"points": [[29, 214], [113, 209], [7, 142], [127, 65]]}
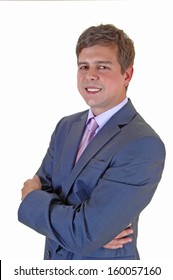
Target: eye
{"points": [[82, 67], [103, 67]]}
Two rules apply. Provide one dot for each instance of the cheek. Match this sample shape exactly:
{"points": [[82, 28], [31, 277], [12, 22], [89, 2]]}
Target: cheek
{"points": [[80, 85], [79, 79], [109, 80], [114, 82]]}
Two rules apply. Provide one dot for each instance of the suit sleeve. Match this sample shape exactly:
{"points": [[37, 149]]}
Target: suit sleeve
{"points": [[123, 191]]}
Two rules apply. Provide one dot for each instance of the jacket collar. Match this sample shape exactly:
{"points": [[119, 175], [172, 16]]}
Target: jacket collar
{"points": [[111, 128]]}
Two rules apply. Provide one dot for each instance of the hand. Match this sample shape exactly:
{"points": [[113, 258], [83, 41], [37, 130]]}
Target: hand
{"points": [[120, 239], [31, 185]]}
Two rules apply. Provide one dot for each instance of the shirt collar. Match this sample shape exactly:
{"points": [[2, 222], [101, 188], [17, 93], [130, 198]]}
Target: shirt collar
{"points": [[105, 116]]}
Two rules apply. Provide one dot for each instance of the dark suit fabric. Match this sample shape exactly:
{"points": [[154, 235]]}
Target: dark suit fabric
{"points": [[85, 205]]}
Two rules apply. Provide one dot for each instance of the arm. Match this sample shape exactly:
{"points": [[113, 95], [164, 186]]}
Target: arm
{"points": [[121, 194], [117, 242]]}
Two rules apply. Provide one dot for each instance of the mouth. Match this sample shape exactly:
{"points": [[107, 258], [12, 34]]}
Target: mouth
{"points": [[92, 90]]}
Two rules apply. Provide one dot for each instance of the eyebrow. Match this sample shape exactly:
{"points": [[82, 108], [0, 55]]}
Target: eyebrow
{"points": [[96, 62]]}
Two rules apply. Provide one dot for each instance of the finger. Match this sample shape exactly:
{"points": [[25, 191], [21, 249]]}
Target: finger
{"points": [[118, 243], [36, 179], [113, 247], [124, 233]]}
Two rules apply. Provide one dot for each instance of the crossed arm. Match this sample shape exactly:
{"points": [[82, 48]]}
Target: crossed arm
{"points": [[118, 242]]}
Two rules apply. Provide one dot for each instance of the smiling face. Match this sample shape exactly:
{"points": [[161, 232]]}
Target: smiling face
{"points": [[100, 80]]}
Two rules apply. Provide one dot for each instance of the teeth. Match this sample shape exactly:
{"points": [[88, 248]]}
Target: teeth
{"points": [[93, 89]]}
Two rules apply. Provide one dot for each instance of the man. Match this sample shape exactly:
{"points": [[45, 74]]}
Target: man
{"points": [[85, 194]]}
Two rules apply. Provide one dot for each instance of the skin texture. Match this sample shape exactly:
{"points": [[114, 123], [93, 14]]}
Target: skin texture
{"points": [[100, 80]]}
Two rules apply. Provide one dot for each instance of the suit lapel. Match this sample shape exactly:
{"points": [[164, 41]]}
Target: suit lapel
{"points": [[71, 145], [111, 128], [102, 137]]}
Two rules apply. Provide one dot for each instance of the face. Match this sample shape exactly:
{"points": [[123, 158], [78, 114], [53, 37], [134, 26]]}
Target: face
{"points": [[99, 79]]}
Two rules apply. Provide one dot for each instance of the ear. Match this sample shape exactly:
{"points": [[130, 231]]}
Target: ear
{"points": [[128, 75]]}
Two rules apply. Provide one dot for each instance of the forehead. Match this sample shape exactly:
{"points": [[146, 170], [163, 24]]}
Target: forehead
{"points": [[98, 53]]}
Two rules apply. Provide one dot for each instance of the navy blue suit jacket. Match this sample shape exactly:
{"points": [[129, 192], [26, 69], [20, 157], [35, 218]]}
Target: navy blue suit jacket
{"points": [[85, 205]]}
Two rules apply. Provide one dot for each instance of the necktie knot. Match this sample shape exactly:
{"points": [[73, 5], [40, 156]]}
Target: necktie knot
{"points": [[92, 124]]}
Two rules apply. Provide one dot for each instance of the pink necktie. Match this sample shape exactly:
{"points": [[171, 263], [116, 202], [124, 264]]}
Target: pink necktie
{"points": [[87, 137]]}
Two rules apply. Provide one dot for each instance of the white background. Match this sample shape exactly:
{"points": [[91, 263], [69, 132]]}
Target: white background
{"points": [[38, 87]]}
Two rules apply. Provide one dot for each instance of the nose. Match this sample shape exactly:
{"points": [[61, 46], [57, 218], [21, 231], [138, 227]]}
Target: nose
{"points": [[92, 75]]}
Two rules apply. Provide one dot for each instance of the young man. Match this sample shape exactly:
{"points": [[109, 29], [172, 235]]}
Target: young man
{"points": [[102, 166]]}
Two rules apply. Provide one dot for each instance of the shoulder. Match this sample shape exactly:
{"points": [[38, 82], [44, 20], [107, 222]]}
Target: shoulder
{"points": [[66, 122], [136, 124], [75, 117], [135, 130]]}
